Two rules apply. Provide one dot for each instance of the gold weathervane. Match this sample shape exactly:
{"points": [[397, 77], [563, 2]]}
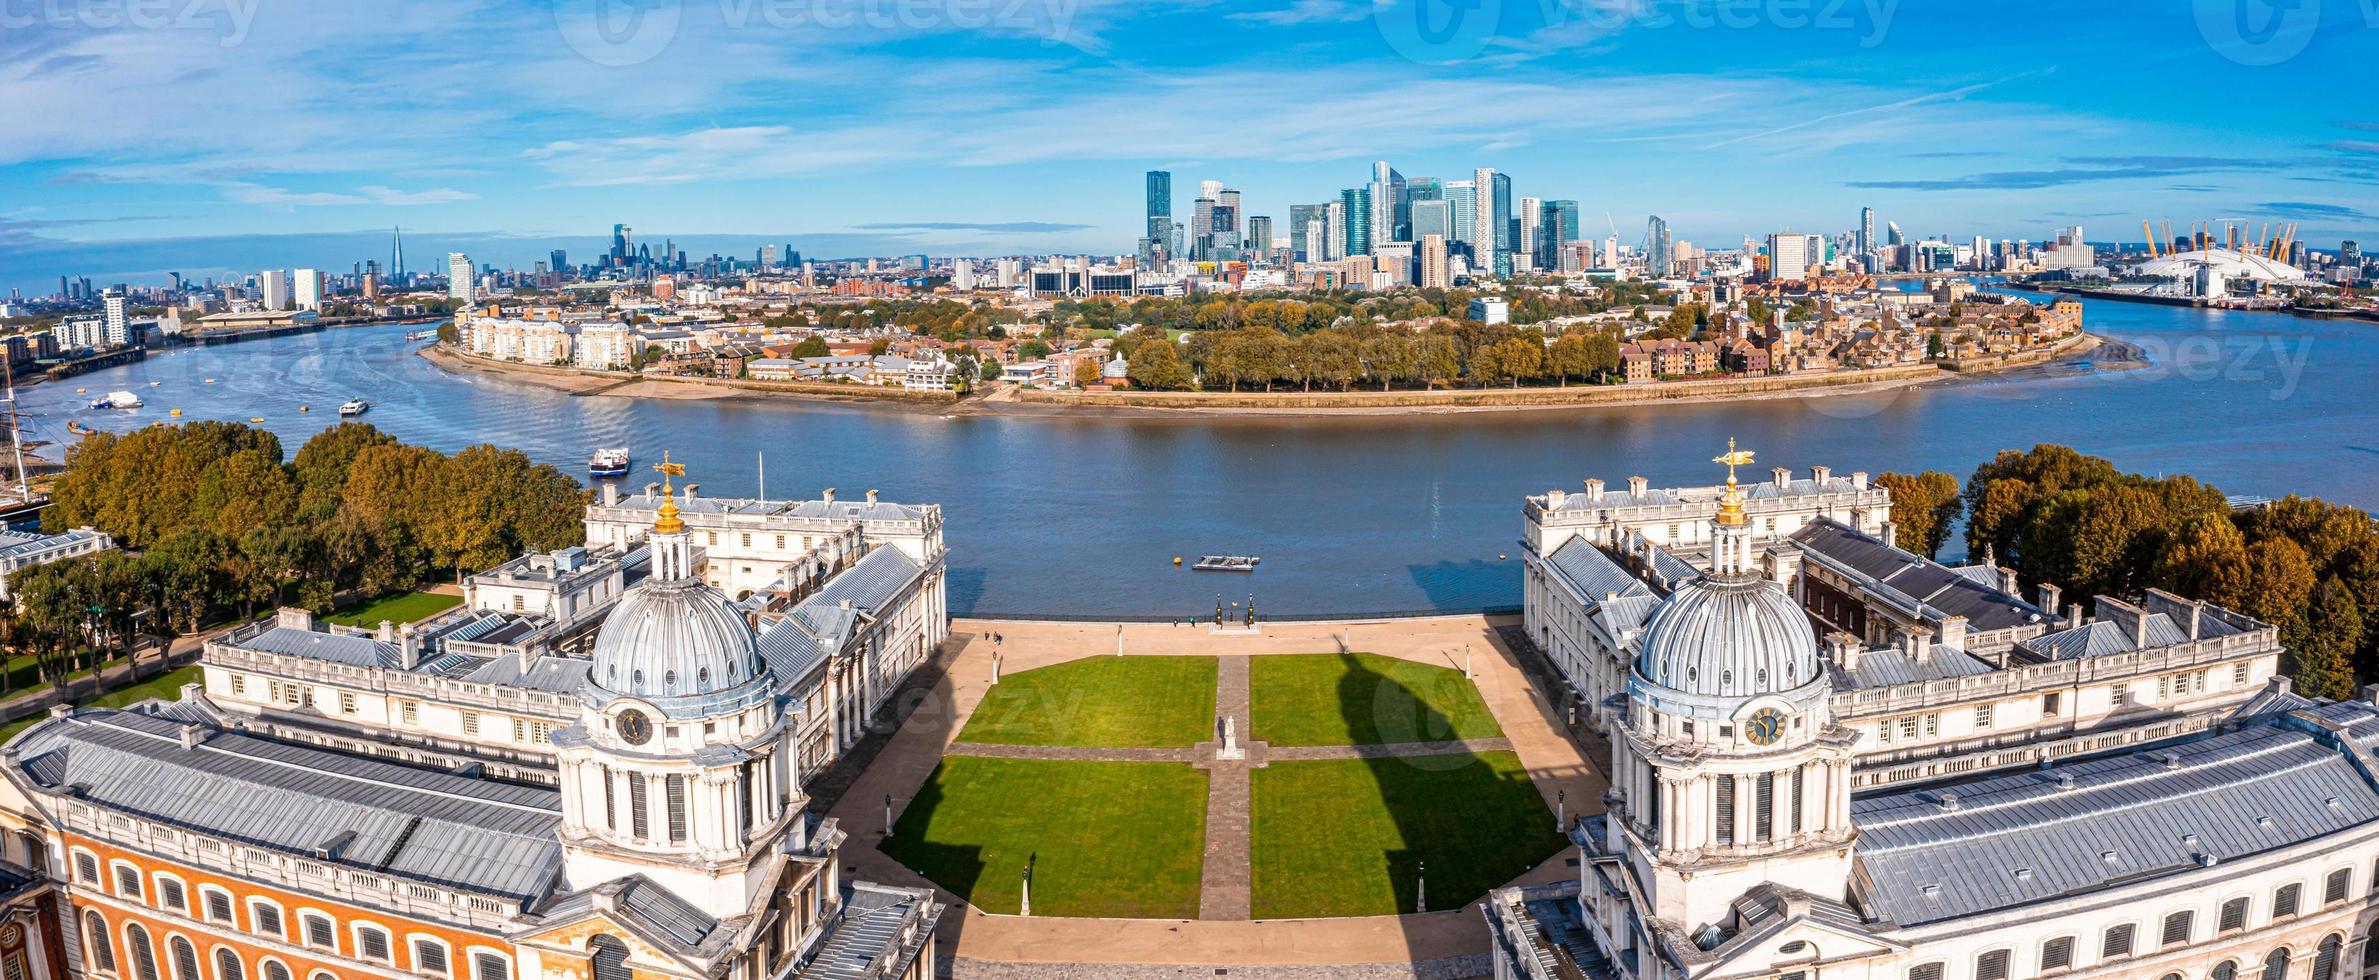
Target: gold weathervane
{"points": [[1730, 504], [666, 522]]}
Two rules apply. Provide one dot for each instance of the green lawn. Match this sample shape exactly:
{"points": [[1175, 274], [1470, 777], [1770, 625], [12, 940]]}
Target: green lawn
{"points": [[1109, 839], [1361, 699], [404, 608], [167, 686], [1101, 702], [1347, 837]]}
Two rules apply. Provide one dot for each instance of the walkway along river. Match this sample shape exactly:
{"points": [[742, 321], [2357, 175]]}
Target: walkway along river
{"points": [[1083, 515]]}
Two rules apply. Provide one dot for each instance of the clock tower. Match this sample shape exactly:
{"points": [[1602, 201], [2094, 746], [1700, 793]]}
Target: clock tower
{"points": [[1728, 769], [680, 767]]}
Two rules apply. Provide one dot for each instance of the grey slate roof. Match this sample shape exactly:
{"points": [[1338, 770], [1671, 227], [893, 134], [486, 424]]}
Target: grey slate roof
{"points": [[1595, 573], [1902, 575], [864, 941], [1975, 847], [2107, 636], [353, 651], [659, 913], [370, 815], [1891, 665]]}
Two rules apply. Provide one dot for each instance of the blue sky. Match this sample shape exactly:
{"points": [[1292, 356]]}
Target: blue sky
{"points": [[215, 135]]}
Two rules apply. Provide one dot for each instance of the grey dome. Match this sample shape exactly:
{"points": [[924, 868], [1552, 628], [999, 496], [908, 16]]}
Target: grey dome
{"points": [[673, 640], [1731, 637]]}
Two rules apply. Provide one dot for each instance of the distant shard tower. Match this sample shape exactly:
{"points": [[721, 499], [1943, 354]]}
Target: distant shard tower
{"points": [[396, 253]]}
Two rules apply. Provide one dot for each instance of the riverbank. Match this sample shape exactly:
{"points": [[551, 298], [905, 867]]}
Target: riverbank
{"points": [[1005, 400], [580, 381]]}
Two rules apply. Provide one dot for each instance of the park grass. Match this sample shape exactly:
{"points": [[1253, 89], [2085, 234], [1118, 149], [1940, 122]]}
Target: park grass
{"points": [[1361, 699], [1107, 839], [1101, 702], [407, 607], [1346, 837], [166, 686]]}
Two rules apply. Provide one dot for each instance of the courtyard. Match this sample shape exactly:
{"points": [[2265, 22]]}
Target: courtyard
{"points": [[1342, 784]]}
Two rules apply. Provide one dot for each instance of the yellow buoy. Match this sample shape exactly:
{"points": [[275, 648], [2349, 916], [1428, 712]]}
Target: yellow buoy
{"points": [[1177, 559], [210, 381], [305, 408], [81, 390], [177, 413], [258, 420]]}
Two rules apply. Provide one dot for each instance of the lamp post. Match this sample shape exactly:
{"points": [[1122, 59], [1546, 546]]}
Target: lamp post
{"points": [[1026, 905], [1421, 889], [1560, 810], [887, 816]]}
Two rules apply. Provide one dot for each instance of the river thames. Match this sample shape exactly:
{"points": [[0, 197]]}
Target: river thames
{"points": [[1084, 515]]}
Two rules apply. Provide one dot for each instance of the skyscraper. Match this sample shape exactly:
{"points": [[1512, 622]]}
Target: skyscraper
{"points": [[1531, 218], [1463, 195], [622, 238], [1866, 243], [118, 312], [1355, 209], [1389, 208], [1304, 221], [1158, 242], [1491, 227], [1432, 217], [1226, 219], [1333, 231], [1259, 237], [1560, 230], [1660, 256], [1201, 243], [1433, 261], [396, 253], [272, 286], [309, 289], [458, 276]]}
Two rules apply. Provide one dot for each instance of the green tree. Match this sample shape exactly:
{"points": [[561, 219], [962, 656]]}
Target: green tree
{"points": [[1924, 506], [2323, 642], [811, 346], [321, 465], [1157, 366]]}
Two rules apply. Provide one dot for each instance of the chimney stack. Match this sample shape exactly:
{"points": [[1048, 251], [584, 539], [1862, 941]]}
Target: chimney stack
{"points": [[830, 495], [1554, 499], [1637, 485], [871, 497], [1821, 474], [1858, 480], [1594, 490], [611, 494], [1784, 477], [2052, 600]]}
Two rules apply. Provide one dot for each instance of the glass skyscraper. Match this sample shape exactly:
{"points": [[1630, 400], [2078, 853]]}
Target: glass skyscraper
{"points": [[1355, 203]]}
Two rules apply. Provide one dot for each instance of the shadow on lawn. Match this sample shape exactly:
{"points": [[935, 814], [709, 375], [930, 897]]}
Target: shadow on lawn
{"points": [[1457, 842]]}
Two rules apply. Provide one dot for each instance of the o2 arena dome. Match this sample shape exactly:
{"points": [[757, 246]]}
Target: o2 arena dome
{"points": [[2231, 264]]}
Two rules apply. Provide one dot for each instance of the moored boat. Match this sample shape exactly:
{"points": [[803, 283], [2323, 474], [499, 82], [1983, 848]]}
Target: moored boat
{"points": [[354, 408], [1227, 563], [608, 462]]}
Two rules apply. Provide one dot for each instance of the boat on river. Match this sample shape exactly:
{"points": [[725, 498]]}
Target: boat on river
{"points": [[608, 462], [1227, 563], [118, 399], [354, 408]]}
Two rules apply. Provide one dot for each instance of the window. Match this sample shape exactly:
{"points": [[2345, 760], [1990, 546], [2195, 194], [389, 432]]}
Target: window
{"points": [[429, 956], [409, 712], [346, 702], [2118, 942], [2333, 890], [2285, 900], [1796, 812], [228, 966], [1992, 965], [2238, 675], [371, 943], [141, 952], [639, 816], [470, 723], [264, 919], [675, 786], [128, 882], [218, 904], [1982, 717], [2234, 916], [319, 932], [610, 958], [1763, 803], [185, 959], [2325, 959], [86, 867], [171, 895], [490, 966], [1908, 728], [273, 970], [103, 952], [2119, 694], [2276, 964], [746, 539], [2048, 704], [2176, 928], [1726, 809], [1926, 971], [2227, 971], [2057, 954]]}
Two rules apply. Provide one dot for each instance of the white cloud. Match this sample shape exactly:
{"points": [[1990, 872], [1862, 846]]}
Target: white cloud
{"points": [[260, 195]]}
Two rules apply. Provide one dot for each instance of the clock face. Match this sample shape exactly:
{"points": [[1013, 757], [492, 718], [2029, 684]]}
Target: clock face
{"points": [[1765, 727], [633, 727]]}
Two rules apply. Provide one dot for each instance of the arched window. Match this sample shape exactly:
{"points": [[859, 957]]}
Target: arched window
{"points": [[2325, 959], [185, 959], [228, 965], [141, 952], [2275, 966], [103, 952], [273, 970], [2227, 971], [610, 958]]}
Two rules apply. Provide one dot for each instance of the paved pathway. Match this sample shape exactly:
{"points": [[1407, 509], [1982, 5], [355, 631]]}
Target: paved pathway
{"points": [[1226, 888], [1532, 729]]}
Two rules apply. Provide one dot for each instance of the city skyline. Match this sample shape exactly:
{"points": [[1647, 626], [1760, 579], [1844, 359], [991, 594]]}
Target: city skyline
{"points": [[1640, 126]]}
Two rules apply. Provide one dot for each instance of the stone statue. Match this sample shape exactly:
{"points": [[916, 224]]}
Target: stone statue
{"points": [[1230, 748]]}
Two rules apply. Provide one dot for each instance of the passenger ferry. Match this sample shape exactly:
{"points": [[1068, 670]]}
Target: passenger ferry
{"points": [[608, 462], [118, 399], [354, 408], [1227, 563]]}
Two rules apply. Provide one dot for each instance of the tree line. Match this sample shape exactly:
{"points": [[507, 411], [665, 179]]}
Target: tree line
{"points": [[2056, 516], [214, 524], [1464, 352]]}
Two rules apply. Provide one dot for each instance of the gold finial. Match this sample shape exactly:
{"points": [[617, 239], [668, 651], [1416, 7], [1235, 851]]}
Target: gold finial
{"points": [[667, 522], [1730, 504]]}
